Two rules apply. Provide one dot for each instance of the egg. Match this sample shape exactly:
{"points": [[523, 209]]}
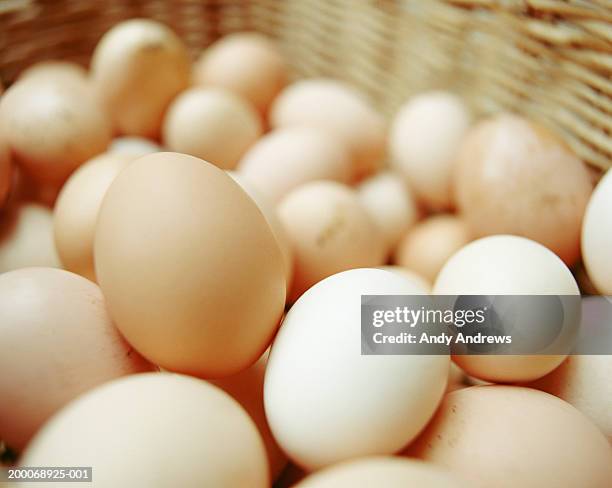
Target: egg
{"points": [[514, 177], [427, 246], [212, 124], [326, 402], [57, 342], [387, 471], [506, 265], [338, 109], [289, 157], [584, 382], [597, 236], [424, 137], [26, 238], [329, 232], [155, 430], [269, 212], [134, 146], [507, 436], [138, 67], [191, 271], [390, 204], [56, 71], [6, 172], [417, 279], [247, 63], [52, 128], [247, 388], [76, 211]]}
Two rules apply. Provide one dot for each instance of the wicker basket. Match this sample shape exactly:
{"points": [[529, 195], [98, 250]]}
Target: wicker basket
{"points": [[548, 59]]}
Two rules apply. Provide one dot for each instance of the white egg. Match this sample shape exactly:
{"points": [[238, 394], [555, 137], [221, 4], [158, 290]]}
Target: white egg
{"points": [[325, 401]]}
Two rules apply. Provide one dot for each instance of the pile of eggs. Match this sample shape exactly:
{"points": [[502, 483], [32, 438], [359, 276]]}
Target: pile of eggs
{"points": [[183, 249]]}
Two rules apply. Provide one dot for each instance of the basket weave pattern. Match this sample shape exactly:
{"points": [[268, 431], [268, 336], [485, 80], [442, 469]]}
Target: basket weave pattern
{"points": [[548, 59]]}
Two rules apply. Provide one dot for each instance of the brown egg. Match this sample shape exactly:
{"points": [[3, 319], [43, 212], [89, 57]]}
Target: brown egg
{"points": [[289, 157], [76, 211], [191, 271], [584, 381], [155, 430], [212, 124], [6, 172], [138, 67], [330, 231], [52, 128], [339, 109], [247, 388], [429, 244], [514, 177], [57, 342], [507, 436], [387, 471], [57, 71], [26, 237], [246, 63]]}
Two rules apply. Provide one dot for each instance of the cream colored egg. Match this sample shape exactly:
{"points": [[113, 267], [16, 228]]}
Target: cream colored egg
{"points": [[417, 279], [289, 157], [190, 269], [584, 381], [26, 238], [339, 109], [329, 231], [426, 247], [269, 212], [178, 431], [247, 388], [58, 341], [6, 172], [212, 124], [57, 71], [514, 177], [246, 63], [138, 67], [387, 471], [597, 236], [76, 211], [506, 265], [325, 401], [133, 146], [390, 204], [507, 436], [425, 136], [52, 128]]}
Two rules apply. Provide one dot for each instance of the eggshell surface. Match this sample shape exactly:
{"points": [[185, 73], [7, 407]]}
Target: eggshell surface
{"points": [[506, 265], [325, 402], [597, 236], [246, 63], [180, 431], [26, 238], [429, 244], [58, 341], [212, 124], [76, 211], [138, 67], [514, 177], [329, 231], [390, 204], [287, 158], [387, 471], [6, 172], [191, 271], [424, 138], [339, 108], [546, 442]]}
